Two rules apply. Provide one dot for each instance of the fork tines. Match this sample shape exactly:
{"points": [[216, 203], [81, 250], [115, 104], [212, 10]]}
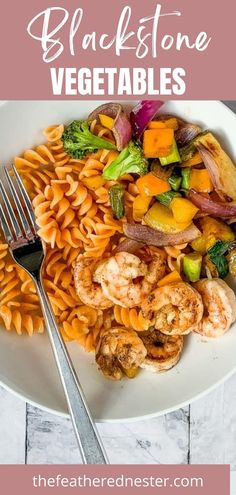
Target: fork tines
{"points": [[15, 200]]}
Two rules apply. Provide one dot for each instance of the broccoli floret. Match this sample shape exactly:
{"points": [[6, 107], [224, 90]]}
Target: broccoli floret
{"points": [[131, 160], [78, 141]]}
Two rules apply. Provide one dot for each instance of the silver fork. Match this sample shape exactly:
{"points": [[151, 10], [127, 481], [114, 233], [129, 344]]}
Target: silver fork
{"points": [[20, 231]]}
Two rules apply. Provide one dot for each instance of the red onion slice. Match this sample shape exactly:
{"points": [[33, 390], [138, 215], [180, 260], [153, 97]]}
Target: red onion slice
{"points": [[142, 114], [211, 166], [122, 127], [109, 109], [167, 116], [152, 237], [122, 131], [129, 246], [186, 133], [221, 168], [211, 207]]}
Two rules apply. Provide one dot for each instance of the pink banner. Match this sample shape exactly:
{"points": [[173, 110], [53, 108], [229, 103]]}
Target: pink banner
{"points": [[148, 479], [86, 49]]}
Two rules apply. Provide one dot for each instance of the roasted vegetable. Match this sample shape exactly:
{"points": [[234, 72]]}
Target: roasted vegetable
{"points": [[106, 121], [152, 237], [150, 185], [169, 279], [173, 157], [175, 181], [140, 207], [186, 176], [128, 246], [78, 141], [219, 248], [200, 181], [216, 255], [171, 123], [161, 218], [161, 172], [142, 114], [220, 167], [130, 161], [192, 264], [207, 205], [186, 133], [166, 198], [158, 142], [187, 151], [212, 231], [156, 124], [116, 196], [202, 243], [219, 229], [221, 265], [183, 210], [121, 127], [209, 270], [163, 117], [232, 262], [195, 160]]}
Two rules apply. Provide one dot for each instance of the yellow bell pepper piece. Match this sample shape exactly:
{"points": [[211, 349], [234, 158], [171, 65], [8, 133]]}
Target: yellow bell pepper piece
{"points": [[183, 210], [106, 121], [171, 123], [170, 278], [199, 245], [213, 226], [156, 124], [200, 181], [140, 207], [195, 160], [151, 185], [213, 230], [161, 218]]}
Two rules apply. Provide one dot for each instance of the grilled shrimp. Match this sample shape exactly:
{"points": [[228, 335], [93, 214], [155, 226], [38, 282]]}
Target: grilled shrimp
{"points": [[219, 303], [163, 351], [126, 279], [88, 289], [119, 351], [173, 309]]}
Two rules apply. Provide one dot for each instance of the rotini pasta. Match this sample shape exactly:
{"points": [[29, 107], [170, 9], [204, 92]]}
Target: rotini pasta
{"points": [[175, 257], [131, 318], [19, 304], [73, 213], [71, 203]]}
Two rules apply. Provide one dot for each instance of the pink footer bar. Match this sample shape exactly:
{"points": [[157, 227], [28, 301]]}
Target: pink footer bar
{"points": [[118, 479]]}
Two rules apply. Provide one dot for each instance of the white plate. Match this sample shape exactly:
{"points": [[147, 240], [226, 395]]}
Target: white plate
{"points": [[26, 364]]}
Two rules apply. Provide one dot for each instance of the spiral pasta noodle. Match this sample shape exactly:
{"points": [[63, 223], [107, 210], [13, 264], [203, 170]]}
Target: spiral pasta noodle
{"points": [[130, 318], [175, 257], [72, 207], [19, 304]]}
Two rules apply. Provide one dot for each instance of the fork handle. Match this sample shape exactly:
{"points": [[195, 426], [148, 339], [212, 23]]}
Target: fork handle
{"points": [[90, 445]]}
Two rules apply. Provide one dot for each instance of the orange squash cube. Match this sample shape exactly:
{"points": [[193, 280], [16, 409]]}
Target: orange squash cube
{"points": [[158, 142]]}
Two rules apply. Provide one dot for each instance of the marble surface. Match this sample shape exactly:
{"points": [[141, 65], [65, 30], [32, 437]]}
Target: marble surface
{"points": [[204, 432]]}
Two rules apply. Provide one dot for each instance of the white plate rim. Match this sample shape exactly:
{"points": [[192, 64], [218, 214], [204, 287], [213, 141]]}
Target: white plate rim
{"points": [[134, 419]]}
